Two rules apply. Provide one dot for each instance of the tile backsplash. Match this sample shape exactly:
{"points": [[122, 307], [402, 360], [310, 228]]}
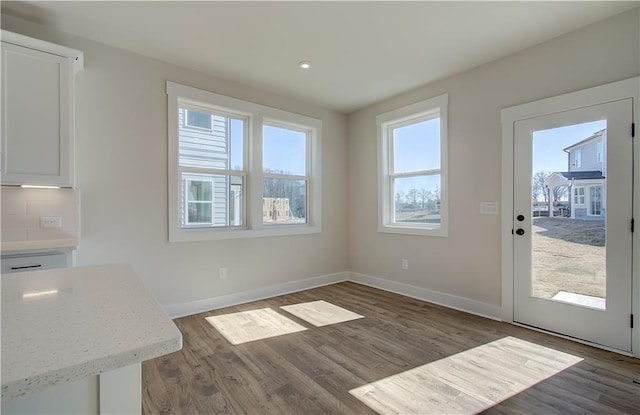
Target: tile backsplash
{"points": [[21, 210]]}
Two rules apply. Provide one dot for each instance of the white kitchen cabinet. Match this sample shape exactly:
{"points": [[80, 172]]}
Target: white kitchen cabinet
{"points": [[37, 111]]}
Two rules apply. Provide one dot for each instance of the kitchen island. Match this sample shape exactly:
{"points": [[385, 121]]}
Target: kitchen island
{"points": [[78, 336]]}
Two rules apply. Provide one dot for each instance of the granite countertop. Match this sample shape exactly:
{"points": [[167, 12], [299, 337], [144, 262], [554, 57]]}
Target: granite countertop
{"points": [[61, 325]]}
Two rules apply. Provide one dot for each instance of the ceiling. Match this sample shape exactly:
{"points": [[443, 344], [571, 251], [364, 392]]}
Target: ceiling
{"points": [[362, 52]]}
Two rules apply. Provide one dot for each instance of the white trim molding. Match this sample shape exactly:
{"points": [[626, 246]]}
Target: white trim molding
{"points": [[228, 300], [466, 305]]}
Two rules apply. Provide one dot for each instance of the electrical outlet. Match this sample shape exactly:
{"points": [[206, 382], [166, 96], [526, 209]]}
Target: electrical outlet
{"points": [[222, 273], [405, 264], [50, 222]]}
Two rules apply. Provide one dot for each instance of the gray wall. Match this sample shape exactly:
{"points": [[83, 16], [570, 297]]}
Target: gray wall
{"points": [[467, 263]]}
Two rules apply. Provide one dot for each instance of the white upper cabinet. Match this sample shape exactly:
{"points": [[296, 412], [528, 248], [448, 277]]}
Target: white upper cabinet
{"points": [[37, 111]]}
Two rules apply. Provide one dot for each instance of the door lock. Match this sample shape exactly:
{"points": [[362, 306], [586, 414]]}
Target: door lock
{"points": [[520, 232], [520, 218]]}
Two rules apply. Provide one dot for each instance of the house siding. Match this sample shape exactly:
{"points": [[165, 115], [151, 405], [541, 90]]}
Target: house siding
{"points": [[207, 149]]}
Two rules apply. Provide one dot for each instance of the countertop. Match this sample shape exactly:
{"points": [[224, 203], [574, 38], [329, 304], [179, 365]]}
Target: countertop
{"points": [[61, 325], [28, 247]]}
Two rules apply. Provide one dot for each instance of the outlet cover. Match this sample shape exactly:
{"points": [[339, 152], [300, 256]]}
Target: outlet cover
{"points": [[50, 222]]}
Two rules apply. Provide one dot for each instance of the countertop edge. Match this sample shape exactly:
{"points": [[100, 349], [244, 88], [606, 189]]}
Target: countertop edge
{"points": [[35, 383], [34, 247]]}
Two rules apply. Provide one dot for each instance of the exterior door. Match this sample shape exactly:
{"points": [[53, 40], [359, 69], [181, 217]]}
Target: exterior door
{"points": [[573, 260]]}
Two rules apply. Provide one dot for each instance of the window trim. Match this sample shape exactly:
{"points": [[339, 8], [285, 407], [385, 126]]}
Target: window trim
{"points": [[396, 118], [257, 115], [307, 177]]}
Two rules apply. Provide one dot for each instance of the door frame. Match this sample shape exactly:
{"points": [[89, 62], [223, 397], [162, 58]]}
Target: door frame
{"points": [[628, 88]]}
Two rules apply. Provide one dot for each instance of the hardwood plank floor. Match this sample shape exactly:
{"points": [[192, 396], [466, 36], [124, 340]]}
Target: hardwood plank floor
{"points": [[312, 371]]}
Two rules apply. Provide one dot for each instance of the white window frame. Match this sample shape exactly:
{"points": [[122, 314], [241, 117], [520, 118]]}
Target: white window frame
{"points": [[308, 132], [408, 115], [257, 115]]}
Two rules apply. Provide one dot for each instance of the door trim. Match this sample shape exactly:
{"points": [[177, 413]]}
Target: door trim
{"points": [[628, 88]]}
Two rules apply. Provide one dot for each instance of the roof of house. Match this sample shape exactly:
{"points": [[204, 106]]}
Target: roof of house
{"points": [[597, 134], [582, 175]]}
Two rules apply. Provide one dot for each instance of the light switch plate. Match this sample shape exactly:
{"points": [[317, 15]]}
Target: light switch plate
{"points": [[489, 208], [50, 222]]}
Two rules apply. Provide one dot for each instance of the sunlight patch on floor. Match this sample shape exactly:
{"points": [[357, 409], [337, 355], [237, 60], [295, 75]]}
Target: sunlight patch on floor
{"points": [[247, 326], [468, 382], [321, 313]]}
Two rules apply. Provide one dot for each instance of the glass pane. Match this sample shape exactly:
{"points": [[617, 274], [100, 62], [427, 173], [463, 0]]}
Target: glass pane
{"points": [[199, 212], [416, 147], [569, 233], [417, 200], [219, 147], [284, 151], [237, 144], [200, 190], [212, 200], [284, 201], [198, 119]]}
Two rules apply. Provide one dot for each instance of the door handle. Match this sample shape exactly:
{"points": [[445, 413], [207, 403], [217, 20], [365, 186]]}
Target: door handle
{"points": [[520, 232], [520, 218]]}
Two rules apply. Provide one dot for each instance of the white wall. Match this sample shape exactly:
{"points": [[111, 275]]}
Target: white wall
{"points": [[121, 170], [467, 263]]}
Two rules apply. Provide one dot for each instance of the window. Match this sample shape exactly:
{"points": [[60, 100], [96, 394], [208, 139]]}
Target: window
{"points": [[413, 169], [577, 158], [239, 169], [599, 149], [578, 195], [195, 119], [285, 179]]}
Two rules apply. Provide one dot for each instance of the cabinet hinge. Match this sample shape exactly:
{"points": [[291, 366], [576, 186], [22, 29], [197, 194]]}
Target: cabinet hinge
{"points": [[631, 321]]}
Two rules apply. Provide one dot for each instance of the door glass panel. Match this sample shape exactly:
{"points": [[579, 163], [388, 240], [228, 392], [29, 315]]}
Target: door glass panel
{"points": [[568, 211]]}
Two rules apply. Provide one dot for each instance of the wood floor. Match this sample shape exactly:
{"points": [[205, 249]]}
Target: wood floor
{"points": [[313, 371]]}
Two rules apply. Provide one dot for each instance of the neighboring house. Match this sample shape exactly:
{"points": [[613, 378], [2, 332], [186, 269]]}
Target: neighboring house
{"points": [[586, 178], [208, 200], [275, 209]]}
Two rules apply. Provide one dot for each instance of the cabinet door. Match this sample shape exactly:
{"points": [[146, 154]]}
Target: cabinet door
{"points": [[36, 117]]}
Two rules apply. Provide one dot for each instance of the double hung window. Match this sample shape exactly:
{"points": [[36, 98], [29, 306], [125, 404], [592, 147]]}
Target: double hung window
{"points": [[239, 169], [413, 169]]}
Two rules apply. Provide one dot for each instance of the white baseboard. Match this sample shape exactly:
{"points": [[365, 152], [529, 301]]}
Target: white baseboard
{"points": [[447, 300], [207, 304]]}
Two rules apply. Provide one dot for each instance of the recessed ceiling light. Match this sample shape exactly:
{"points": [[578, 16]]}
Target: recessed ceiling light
{"points": [[306, 65]]}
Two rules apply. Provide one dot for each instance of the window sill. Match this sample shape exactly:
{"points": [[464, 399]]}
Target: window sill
{"points": [[408, 230], [208, 234]]}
